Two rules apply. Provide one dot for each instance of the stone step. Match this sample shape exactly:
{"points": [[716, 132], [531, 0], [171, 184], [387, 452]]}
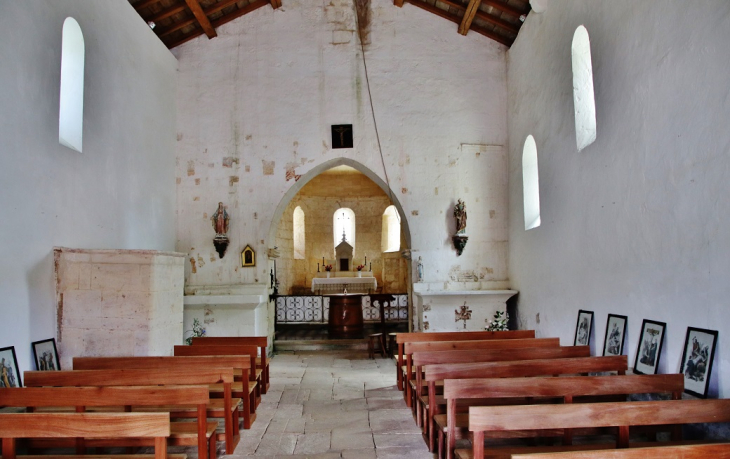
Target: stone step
{"points": [[320, 345]]}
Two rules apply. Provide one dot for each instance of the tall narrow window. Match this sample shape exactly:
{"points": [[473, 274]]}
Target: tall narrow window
{"points": [[343, 222], [390, 239], [530, 184], [584, 101], [298, 235], [71, 106]]}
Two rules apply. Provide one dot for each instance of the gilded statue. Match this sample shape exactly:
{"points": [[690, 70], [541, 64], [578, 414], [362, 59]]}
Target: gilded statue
{"points": [[460, 216], [220, 220]]}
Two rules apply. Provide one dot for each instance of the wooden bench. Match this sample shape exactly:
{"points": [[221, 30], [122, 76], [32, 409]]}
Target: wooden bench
{"points": [[261, 341], [624, 415], [255, 375], [420, 359], [226, 407], [402, 338], [519, 369], [410, 348], [463, 393], [153, 426], [714, 450], [244, 390]]}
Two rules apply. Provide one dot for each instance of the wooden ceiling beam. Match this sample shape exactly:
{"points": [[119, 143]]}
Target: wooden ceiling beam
{"points": [[219, 6], [179, 41], [201, 18], [505, 8], [240, 12], [164, 14], [144, 4], [435, 10], [175, 27], [494, 36], [484, 16], [469, 14]]}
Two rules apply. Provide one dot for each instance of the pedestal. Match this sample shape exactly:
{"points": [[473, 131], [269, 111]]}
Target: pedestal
{"points": [[345, 317]]}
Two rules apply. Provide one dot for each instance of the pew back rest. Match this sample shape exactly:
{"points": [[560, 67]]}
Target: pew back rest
{"points": [[104, 396], [715, 451], [402, 338], [544, 367], [185, 363], [563, 387], [88, 425], [129, 377], [623, 414], [220, 350], [497, 355], [260, 341], [410, 348]]}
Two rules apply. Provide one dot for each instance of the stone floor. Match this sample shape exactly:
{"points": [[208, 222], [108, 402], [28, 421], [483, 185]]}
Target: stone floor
{"points": [[332, 405]]}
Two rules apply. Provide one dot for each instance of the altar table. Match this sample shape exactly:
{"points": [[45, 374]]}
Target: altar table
{"points": [[338, 284]]}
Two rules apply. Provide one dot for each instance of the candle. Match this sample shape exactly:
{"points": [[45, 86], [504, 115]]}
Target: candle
{"points": [[317, 267], [371, 267], [366, 259], [323, 262]]}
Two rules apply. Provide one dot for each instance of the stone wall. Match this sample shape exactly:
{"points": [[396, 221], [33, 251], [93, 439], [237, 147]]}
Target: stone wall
{"points": [[319, 199], [118, 302]]}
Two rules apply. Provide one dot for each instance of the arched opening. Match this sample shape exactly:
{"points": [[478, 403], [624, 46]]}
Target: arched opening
{"points": [[584, 101], [340, 195], [530, 184], [298, 235], [71, 100], [390, 241]]}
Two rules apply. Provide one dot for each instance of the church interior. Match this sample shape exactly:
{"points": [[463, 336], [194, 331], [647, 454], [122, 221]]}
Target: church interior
{"points": [[236, 166]]}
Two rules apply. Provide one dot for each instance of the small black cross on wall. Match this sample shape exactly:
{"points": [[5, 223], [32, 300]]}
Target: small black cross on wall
{"points": [[341, 136]]}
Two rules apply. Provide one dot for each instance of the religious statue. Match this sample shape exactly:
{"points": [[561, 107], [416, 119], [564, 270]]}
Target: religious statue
{"points": [[220, 222], [460, 215]]}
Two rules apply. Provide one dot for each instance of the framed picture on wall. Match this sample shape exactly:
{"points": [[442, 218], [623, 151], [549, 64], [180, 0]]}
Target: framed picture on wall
{"points": [[248, 257], [46, 355], [699, 352], [9, 371], [583, 328], [650, 347], [613, 343]]}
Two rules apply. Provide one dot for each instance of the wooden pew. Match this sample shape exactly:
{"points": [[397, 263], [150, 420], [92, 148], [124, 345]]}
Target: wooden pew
{"points": [[255, 375], [154, 426], [426, 411], [410, 348], [201, 433], [625, 415], [238, 389], [402, 338], [261, 341], [520, 390], [713, 450], [226, 408]]}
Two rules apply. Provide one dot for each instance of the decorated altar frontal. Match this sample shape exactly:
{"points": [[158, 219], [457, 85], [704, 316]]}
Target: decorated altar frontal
{"points": [[339, 281]]}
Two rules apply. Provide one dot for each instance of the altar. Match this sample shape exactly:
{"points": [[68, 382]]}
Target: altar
{"points": [[339, 281]]}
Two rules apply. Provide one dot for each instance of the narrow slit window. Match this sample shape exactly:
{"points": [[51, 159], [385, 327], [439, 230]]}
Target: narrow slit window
{"points": [[584, 102], [298, 235], [390, 239], [71, 101], [530, 184], [344, 226]]}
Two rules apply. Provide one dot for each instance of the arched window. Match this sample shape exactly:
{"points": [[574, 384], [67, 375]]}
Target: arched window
{"points": [[584, 101], [390, 239], [298, 235], [343, 223], [530, 184], [71, 101]]}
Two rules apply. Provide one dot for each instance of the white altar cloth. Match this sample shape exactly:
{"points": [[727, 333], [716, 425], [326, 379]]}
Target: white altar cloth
{"points": [[340, 283]]}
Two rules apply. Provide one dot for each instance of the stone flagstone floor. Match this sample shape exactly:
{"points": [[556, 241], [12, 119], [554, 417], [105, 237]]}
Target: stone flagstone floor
{"points": [[328, 405]]}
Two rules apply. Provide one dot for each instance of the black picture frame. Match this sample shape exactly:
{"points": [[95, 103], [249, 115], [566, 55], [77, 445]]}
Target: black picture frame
{"points": [[697, 358], [45, 354], [613, 342], [583, 328], [8, 363], [649, 348]]}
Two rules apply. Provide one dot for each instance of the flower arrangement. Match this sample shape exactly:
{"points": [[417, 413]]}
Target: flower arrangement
{"points": [[197, 332], [499, 323], [328, 268], [360, 267]]}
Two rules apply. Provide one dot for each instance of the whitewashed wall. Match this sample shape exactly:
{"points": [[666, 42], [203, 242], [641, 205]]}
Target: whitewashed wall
{"points": [[118, 193], [255, 107], [636, 223]]}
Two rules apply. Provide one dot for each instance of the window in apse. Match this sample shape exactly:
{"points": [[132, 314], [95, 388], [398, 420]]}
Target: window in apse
{"points": [[390, 239], [71, 101], [298, 235], [344, 223], [530, 184], [584, 102]]}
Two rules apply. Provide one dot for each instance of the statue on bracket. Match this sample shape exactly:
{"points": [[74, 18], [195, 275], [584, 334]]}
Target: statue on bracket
{"points": [[460, 237], [220, 222]]}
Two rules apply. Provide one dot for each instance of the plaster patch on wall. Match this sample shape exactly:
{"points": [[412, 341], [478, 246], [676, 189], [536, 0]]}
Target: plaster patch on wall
{"points": [[291, 172], [191, 167], [179, 136], [537, 318], [212, 257], [341, 37], [427, 307], [268, 167], [249, 137], [201, 263], [247, 168], [197, 181], [192, 265], [414, 212], [196, 198], [208, 316], [228, 161], [205, 215], [436, 191], [211, 165], [233, 179], [178, 180], [425, 325], [404, 190]]}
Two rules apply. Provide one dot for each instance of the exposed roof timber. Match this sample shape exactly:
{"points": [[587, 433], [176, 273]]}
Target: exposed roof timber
{"points": [[144, 4], [275, 4], [504, 7], [240, 12], [201, 18], [469, 14], [164, 14], [485, 17], [175, 27], [457, 20]]}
